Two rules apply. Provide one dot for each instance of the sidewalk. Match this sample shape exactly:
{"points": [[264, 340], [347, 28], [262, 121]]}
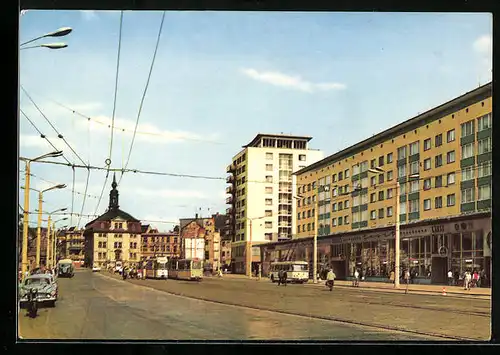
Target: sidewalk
{"points": [[387, 287]]}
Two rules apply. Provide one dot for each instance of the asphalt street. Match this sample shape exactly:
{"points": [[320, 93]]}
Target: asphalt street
{"points": [[97, 306]]}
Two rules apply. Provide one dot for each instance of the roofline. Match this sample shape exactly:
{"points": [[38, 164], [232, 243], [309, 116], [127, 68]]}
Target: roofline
{"points": [[431, 115], [260, 135]]}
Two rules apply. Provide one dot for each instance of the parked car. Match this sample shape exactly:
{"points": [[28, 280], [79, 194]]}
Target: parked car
{"points": [[44, 284], [96, 268]]}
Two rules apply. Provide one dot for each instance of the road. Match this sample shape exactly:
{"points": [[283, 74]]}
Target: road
{"points": [[100, 306]]}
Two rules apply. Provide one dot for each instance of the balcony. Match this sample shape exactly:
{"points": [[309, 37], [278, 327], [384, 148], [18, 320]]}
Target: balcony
{"points": [[229, 189], [286, 202], [230, 179], [285, 212], [229, 200], [229, 210], [286, 190], [230, 168], [284, 224]]}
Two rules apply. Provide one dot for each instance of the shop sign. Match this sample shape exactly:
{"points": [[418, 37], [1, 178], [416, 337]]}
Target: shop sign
{"points": [[443, 228]]}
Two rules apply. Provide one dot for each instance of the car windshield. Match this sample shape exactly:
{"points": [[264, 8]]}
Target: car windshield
{"points": [[37, 281], [299, 267], [196, 265]]}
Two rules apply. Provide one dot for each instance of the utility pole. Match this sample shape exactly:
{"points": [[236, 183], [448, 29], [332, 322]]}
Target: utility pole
{"points": [[48, 258], [39, 234], [249, 252], [396, 243], [24, 258]]}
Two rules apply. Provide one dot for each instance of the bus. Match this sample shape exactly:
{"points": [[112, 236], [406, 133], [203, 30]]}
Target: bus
{"points": [[296, 271], [156, 268], [185, 269], [65, 268]]}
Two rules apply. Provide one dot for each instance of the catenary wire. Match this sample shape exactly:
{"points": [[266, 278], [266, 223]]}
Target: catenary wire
{"points": [[108, 161], [144, 95]]}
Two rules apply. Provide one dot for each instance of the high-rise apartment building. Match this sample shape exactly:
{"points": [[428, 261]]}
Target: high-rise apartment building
{"points": [[441, 160], [261, 191]]}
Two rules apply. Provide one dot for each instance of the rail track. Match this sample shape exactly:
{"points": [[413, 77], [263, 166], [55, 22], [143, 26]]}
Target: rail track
{"points": [[324, 318]]}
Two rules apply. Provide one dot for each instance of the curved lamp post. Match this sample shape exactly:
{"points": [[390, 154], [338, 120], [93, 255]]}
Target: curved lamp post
{"points": [[48, 45], [63, 31]]}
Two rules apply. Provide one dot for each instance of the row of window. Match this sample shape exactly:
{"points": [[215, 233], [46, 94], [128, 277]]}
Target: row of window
{"points": [[104, 256], [269, 156], [159, 248], [483, 193]]}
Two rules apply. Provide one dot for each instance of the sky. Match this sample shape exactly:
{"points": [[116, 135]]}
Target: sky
{"points": [[220, 78]]}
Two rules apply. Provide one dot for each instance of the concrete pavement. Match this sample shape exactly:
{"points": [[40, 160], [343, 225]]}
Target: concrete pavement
{"points": [[96, 306]]}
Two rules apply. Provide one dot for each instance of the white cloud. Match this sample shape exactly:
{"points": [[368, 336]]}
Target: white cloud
{"points": [[291, 82], [88, 14], [171, 193], [484, 45]]}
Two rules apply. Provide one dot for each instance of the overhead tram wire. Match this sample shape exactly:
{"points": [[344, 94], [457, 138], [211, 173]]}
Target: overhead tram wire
{"points": [[57, 183], [144, 95], [108, 160]]}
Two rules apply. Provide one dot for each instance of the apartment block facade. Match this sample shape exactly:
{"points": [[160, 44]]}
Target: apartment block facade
{"points": [[261, 187], [439, 162]]}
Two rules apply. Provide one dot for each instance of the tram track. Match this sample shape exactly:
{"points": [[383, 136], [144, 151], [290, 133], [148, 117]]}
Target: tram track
{"points": [[372, 325]]}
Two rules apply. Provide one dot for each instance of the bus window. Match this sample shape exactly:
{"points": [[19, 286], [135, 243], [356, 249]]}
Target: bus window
{"points": [[299, 267], [196, 265]]}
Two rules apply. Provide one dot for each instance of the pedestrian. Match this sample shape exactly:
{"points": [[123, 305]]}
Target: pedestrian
{"points": [[356, 278], [392, 276], [280, 277], [285, 275], [467, 280], [407, 279], [330, 278], [450, 278], [475, 277]]}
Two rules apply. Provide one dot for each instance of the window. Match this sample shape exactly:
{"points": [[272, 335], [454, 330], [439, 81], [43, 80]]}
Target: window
{"points": [[269, 156], [334, 207], [467, 128], [427, 144], [340, 206], [484, 122], [402, 153], [334, 178], [340, 221], [340, 176], [427, 204], [427, 184], [314, 184], [467, 150], [414, 206], [302, 157], [414, 167], [484, 192], [467, 173], [269, 190], [364, 166], [381, 160], [334, 222], [450, 135], [346, 219], [402, 188], [389, 193], [269, 178], [346, 173], [269, 213], [269, 224], [372, 197], [389, 211], [484, 169], [467, 195], [373, 181], [390, 175], [414, 148], [308, 187], [484, 146], [269, 201], [308, 213], [427, 164], [438, 141], [269, 167], [356, 169], [346, 204], [450, 178], [346, 189], [334, 192], [450, 200], [413, 186], [381, 213], [373, 214], [438, 181], [381, 195], [381, 179], [450, 157], [373, 163], [402, 171], [389, 158], [438, 161], [438, 202], [402, 208]]}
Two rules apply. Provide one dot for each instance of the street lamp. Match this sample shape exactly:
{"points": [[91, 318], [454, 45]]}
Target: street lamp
{"points": [[24, 262], [63, 31], [249, 248], [315, 238], [54, 231], [38, 240], [48, 45], [51, 250]]}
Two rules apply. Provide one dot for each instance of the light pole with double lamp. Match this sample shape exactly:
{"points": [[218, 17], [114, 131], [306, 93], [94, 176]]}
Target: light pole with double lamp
{"points": [[315, 237], [24, 261], [63, 31], [249, 247]]}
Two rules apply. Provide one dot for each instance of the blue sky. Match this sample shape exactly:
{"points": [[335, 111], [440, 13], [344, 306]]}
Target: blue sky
{"points": [[219, 79]]}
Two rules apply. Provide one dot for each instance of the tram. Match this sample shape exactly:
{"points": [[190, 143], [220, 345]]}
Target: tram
{"points": [[156, 268], [185, 269]]}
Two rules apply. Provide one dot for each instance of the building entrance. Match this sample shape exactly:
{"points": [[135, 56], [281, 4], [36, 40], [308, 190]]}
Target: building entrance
{"points": [[439, 266], [338, 267]]}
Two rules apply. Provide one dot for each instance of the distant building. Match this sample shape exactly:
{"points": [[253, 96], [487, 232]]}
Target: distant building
{"points": [[261, 190], [206, 229], [154, 243], [113, 236], [71, 244]]}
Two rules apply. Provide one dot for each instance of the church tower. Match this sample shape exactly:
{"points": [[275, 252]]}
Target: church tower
{"points": [[113, 195]]}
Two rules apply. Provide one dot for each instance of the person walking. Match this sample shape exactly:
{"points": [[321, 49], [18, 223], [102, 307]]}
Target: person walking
{"points": [[285, 275], [467, 280], [356, 278], [450, 278], [392, 276], [330, 278], [407, 279], [475, 277], [280, 277]]}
